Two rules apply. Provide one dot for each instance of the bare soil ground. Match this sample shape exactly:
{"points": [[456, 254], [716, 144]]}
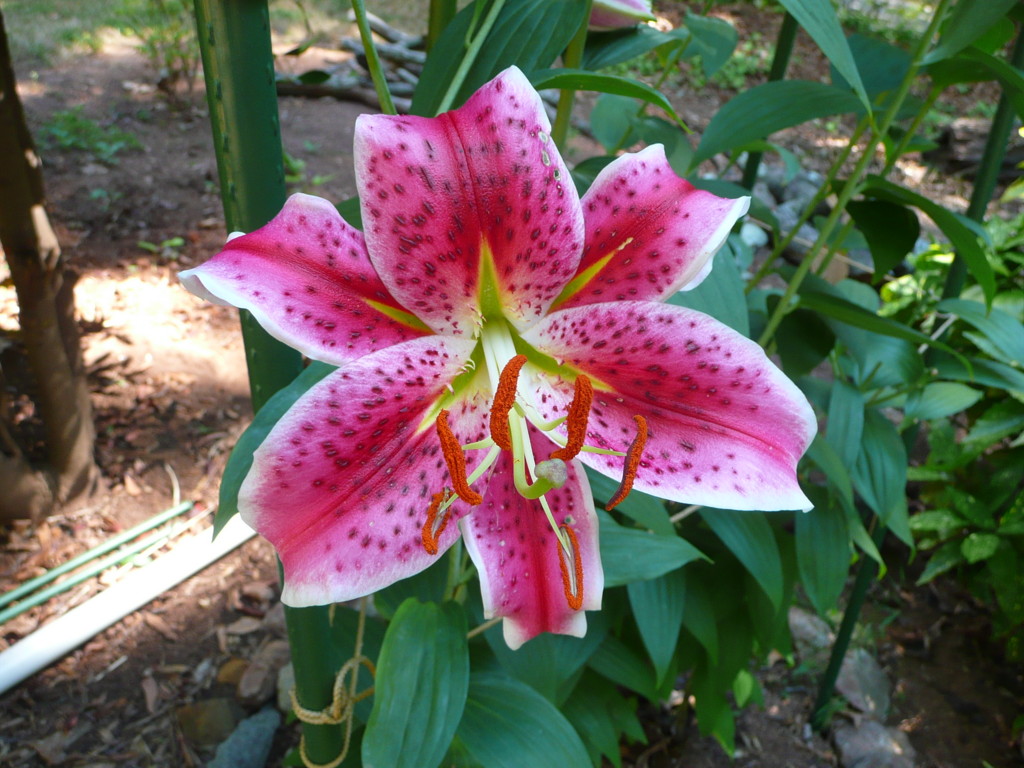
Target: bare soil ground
{"points": [[170, 396]]}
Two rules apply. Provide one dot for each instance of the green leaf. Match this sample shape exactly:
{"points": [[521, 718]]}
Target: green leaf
{"points": [[601, 715], [585, 171], [719, 295], [1000, 421], [976, 370], [882, 65], [845, 421], [240, 461], [427, 586], [699, 614], [944, 558], [547, 661], [822, 551], [617, 661], [420, 687], [528, 33], [713, 38], [750, 538], [890, 229], [648, 511], [963, 233], [611, 119], [764, 109], [606, 49], [941, 399], [855, 315], [965, 24], [804, 340], [819, 20], [507, 724], [1004, 331], [880, 474], [582, 80], [620, 547], [658, 610], [940, 521]]}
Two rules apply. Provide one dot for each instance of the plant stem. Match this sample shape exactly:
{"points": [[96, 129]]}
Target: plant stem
{"points": [[852, 185], [572, 59], [234, 38], [470, 56], [988, 172], [822, 193], [780, 62], [380, 81], [865, 575]]}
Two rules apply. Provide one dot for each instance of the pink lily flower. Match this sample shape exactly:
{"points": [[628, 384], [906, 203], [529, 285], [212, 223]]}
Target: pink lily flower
{"points": [[606, 15], [493, 333]]}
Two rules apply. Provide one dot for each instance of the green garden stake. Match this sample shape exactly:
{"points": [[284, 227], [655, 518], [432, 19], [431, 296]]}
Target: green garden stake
{"points": [[234, 37]]}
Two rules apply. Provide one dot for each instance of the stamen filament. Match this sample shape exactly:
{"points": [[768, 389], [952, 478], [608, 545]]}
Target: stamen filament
{"points": [[436, 523], [518, 446], [576, 421], [572, 571], [504, 399], [455, 460], [632, 463]]}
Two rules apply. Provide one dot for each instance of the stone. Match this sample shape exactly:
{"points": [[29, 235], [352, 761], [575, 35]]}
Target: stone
{"points": [[259, 681], [863, 683], [872, 745], [285, 683], [208, 722], [753, 235], [249, 744], [810, 632]]}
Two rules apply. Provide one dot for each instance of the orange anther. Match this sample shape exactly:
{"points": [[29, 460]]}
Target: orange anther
{"points": [[433, 528], [572, 581], [455, 460], [504, 398], [632, 463], [576, 421]]}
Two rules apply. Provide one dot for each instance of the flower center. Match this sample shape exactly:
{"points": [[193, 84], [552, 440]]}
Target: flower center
{"points": [[509, 422]]}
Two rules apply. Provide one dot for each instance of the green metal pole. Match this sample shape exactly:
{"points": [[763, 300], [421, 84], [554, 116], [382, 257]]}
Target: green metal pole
{"points": [[234, 37], [988, 171], [780, 62]]}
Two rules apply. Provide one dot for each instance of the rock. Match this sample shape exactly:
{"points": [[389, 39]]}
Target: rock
{"points": [[788, 214], [285, 683], [872, 745], [231, 671], [810, 632], [862, 682], [258, 682], [208, 722], [753, 235], [249, 744], [803, 187], [273, 620]]}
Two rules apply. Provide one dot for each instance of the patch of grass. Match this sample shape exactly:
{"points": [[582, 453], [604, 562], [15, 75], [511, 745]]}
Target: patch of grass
{"points": [[40, 31], [70, 129]]}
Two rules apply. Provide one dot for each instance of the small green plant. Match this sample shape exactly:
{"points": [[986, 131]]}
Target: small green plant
{"points": [[168, 39], [70, 129], [169, 249]]}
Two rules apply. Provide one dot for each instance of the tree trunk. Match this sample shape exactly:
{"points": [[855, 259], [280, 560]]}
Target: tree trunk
{"points": [[48, 331]]}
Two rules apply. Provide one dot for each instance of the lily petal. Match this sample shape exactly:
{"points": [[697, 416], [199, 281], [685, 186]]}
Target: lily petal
{"points": [[726, 427], [308, 281], [516, 553], [342, 484], [441, 195], [649, 233]]}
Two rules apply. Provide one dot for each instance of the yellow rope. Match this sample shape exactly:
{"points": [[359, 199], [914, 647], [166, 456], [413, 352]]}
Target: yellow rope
{"points": [[343, 701]]}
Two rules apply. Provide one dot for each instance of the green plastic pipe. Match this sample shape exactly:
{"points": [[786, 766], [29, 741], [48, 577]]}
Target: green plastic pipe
{"points": [[99, 550], [234, 38], [97, 567]]}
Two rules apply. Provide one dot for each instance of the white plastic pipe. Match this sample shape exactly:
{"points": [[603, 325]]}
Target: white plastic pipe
{"points": [[62, 635]]}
